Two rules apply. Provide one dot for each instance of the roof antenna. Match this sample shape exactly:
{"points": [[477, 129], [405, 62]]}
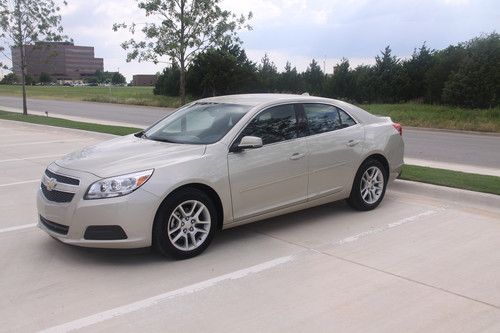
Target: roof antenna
{"points": [[305, 94]]}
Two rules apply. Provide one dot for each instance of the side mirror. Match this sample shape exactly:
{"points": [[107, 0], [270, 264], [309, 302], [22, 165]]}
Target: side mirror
{"points": [[250, 142]]}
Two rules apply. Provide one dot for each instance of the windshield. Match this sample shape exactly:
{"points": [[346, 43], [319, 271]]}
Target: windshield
{"points": [[199, 123]]}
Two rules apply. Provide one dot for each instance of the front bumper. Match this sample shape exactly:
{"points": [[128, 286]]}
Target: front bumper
{"points": [[133, 213]]}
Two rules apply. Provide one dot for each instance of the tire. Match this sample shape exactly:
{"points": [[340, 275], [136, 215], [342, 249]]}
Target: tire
{"points": [[185, 224], [368, 188]]}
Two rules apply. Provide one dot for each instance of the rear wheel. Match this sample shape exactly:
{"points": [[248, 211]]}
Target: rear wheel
{"points": [[369, 186], [185, 224]]}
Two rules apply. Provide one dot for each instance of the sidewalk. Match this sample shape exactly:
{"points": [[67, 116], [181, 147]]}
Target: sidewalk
{"points": [[454, 167]]}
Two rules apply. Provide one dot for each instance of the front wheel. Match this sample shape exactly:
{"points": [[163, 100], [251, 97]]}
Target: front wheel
{"points": [[185, 224], [369, 185]]}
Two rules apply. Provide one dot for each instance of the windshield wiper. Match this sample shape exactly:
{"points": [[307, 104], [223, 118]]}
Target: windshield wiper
{"points": [[141, 135], [162, 140]]}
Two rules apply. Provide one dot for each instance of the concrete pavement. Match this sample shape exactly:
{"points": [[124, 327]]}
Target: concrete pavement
{"points": [[426, 260]]}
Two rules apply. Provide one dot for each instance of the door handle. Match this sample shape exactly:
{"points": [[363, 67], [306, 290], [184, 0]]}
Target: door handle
{"points": [[352, 143], [297, 156]]}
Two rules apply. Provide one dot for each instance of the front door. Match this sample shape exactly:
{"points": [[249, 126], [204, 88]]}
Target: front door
{"points": [[275, 175]]}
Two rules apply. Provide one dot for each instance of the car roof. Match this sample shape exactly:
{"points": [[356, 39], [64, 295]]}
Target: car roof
{"points": [[256, 100]]}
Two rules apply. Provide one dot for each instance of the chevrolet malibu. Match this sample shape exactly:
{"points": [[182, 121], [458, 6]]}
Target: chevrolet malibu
{"points": [[218, 163]]}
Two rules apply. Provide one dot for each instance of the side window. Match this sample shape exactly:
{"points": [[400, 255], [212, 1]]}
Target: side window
{"points": [[275, 124], [322, 118], [346, 119]]}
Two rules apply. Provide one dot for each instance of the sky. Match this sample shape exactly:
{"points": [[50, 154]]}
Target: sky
{"points": [[300, 30]]}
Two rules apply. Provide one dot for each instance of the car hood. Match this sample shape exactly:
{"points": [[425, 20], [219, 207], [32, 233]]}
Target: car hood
{"points": [[128, 154]]}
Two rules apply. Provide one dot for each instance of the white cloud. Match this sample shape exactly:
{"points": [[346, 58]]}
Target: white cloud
{"points": [[456, 2]]}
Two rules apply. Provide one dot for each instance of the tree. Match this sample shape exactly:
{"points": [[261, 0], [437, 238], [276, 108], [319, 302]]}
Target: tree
{"points": [[476, 83], [222, 71], [314, 78], [10, 78], [44, 78], [181, 30], [289, 80], [416, 69], [25, 22], [118, 78], [387, 69], [340, 84], [168, 81], [268, 74]]}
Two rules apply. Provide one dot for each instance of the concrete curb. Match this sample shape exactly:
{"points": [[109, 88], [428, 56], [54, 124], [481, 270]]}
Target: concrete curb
{"points": [[447, 193], [454, 167], [444, 130], [73, 118], [59, 129]]}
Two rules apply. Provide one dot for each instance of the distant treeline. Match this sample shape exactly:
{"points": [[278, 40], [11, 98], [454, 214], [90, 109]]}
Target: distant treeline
{"points": [[467, 74]]}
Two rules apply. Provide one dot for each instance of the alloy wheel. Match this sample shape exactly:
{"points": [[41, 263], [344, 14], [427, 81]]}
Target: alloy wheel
{"points": [[189, 225], [372, 185]]}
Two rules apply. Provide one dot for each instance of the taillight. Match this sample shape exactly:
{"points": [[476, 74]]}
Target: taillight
{"points": [[398, 128]]}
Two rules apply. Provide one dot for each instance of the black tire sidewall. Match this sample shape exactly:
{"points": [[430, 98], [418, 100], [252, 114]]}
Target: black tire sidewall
{"points": [[161, 241], [355, 199]]}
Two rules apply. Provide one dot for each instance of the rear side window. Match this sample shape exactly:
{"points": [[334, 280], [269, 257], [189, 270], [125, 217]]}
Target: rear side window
{"points": [[346, 119], [275, 124], [322, 118]]}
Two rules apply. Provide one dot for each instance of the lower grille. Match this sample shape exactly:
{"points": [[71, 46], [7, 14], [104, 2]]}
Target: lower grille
{"points": [[56, 196], [105, 232], [55, 227]]}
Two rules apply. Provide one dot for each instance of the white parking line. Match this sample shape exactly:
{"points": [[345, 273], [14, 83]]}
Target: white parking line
{"points": [[148, 302], [19, 227], [29, 158], [41, 142], [405, 220], [19, 183]]}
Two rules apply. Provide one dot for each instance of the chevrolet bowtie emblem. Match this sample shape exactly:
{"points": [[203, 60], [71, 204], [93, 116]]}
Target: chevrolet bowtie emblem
{"points": [[51, 184]]}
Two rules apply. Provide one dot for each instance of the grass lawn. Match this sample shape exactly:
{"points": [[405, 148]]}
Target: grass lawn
{"points": [[439, 116], [121, 95], [408, 114], [59, 122], [462, 180]]}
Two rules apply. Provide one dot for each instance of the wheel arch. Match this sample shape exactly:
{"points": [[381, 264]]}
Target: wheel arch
{"points": [[380, 158], [214, 196]]}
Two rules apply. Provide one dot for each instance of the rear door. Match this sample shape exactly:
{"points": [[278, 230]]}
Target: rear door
{"points": [[275, 175], [335, 143]]}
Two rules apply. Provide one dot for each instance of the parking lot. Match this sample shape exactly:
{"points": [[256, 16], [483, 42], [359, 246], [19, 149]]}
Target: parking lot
{"points": [[426, 260]]}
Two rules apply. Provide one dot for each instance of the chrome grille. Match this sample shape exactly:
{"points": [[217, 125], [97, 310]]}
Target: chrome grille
{"points": [[55, 195], [61, 178]]}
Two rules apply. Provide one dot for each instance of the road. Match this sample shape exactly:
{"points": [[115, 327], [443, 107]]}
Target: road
{"points": [[467, 152], [426, 260], [129, 114]]}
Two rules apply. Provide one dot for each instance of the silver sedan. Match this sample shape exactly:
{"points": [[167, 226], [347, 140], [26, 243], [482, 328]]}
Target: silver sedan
{"points": [[218, 163]]}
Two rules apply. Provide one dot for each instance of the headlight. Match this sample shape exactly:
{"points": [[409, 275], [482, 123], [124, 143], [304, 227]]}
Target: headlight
{"points": [[117, 186]]}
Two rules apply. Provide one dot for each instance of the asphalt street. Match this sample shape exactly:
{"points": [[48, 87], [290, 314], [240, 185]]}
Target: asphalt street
{"points": [[475, 153], [426, 260]]}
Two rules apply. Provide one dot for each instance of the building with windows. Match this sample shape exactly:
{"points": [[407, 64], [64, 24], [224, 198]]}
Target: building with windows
{"points": [[144, 80], [61, 60]]}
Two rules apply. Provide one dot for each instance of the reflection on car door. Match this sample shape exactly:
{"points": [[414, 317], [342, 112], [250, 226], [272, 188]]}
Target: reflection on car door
{"points": [[335, 142], [275, 175]]}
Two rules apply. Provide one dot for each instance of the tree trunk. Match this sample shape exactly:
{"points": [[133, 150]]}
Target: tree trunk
{"points": [[23, 81], [183, 85]]}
